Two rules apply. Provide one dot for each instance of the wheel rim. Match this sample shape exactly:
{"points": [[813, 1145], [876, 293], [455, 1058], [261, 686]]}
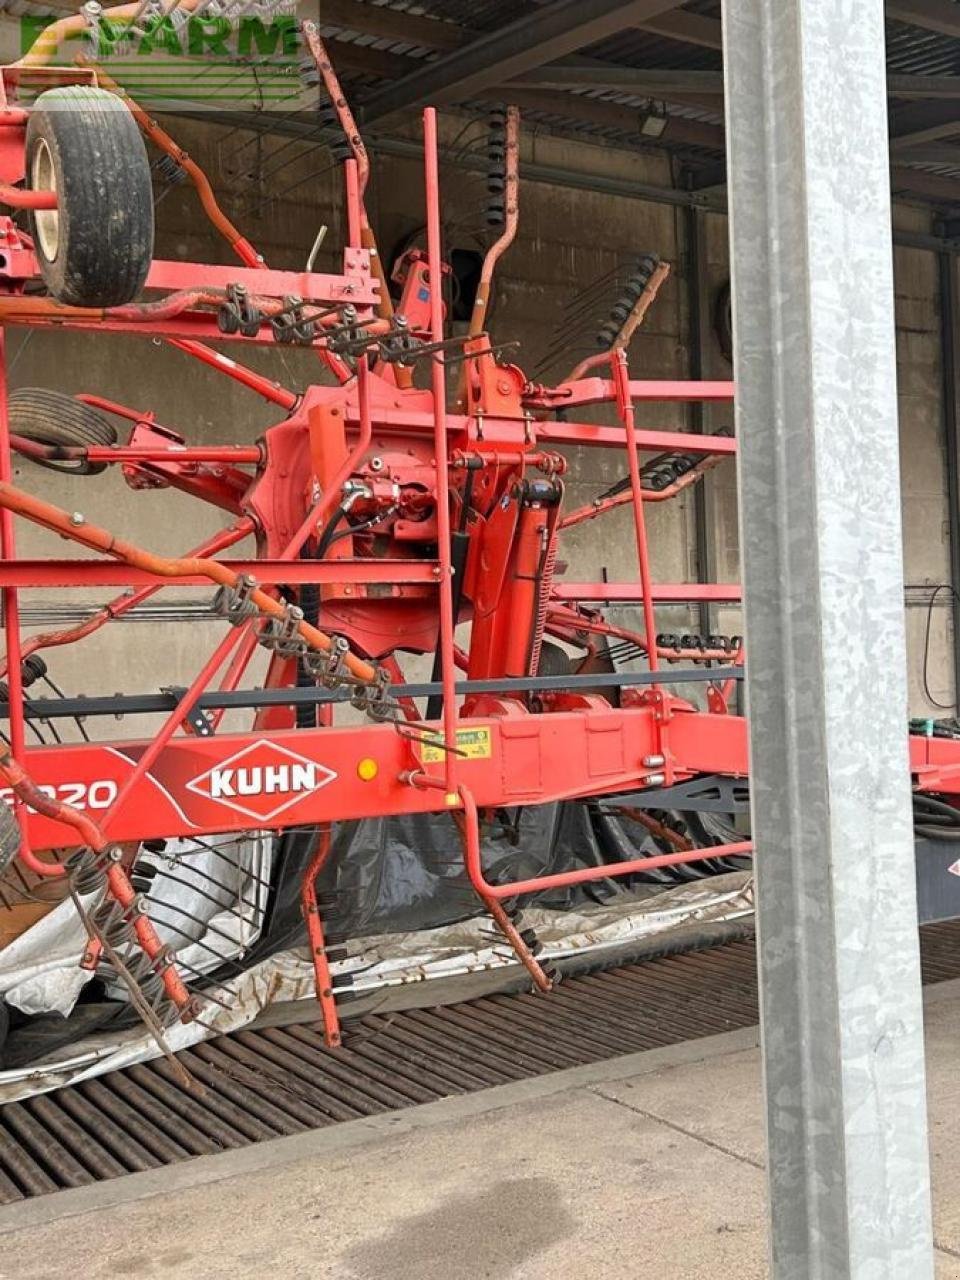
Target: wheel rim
{"points": [[43, 177]]}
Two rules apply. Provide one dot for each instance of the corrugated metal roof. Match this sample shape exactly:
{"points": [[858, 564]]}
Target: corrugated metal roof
{"points": [[605, 113]]}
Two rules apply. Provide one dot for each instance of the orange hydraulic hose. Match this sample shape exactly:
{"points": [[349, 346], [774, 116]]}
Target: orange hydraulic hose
{"points": [[75, 528]]}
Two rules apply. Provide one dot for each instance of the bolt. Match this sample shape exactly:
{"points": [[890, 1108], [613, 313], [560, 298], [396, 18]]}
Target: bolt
{"points": [[376, 464], [77, 518], [653, 762]]}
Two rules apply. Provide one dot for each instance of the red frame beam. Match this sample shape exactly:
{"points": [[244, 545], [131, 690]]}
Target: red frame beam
{"points": [[357, 285], [632, 592], [568, 433], [106, 573], [529, 759], [586, 391]]}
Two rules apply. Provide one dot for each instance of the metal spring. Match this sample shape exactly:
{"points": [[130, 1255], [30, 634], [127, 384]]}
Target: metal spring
{"points": [[546, 582], [86, 872], [635, 284], [169, 171], [114, 925], [496, 207]]}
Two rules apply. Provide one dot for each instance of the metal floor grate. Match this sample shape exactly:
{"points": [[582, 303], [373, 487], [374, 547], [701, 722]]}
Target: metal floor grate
{"points": [[269, 1083]]}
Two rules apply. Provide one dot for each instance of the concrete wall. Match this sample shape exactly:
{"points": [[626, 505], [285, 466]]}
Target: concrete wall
{"points": [[568, 240], [925, 512]]}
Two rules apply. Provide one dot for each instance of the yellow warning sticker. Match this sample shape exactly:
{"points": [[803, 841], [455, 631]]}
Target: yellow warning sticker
{"points": [[472, 744]]}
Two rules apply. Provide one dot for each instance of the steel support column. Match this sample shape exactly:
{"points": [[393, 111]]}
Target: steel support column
{"points": [[949, 353], [821, 533]]}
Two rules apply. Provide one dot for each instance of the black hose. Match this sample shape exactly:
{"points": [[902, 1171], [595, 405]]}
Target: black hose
{"points": [[306, 715], [459, 549], [943, 835], [934, 819]]}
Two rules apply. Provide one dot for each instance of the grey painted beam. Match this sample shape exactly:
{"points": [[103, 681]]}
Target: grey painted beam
{"points": [[942, 16], [391, 24], [821, 537], [901, 86], [593, 73], [923, 122], [689, 28], [498, 56]]}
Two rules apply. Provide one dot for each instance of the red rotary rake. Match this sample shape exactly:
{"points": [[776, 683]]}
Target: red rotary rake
{"points": [[385, 514]]}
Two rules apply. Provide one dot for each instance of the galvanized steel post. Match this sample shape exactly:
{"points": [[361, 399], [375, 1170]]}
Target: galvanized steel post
{"points": [[821, 539]]}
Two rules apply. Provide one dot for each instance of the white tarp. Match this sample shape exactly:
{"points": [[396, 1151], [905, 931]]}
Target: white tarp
{"points": [[397, 960]]}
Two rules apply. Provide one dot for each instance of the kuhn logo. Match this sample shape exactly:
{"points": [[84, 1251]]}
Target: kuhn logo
{"points": [[262, 780]]}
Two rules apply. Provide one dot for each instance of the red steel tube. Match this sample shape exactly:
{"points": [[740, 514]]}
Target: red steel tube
{"points": [[584, 876], [594, 509], [265, 387], [110, 453], [26, 793], [24, 198], [469, 824], [354, 207], [20, 308], [364, 237], [336, 95], [238, 665], [621, 375], [172, 723], [117, 607], [239, 455], [119, 886], [89, 535], [11, 606], [439, 390], [324, 506], [629, 327], [318, 946]]}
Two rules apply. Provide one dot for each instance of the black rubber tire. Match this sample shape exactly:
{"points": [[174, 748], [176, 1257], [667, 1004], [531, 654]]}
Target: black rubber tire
{"points": [[103, 245], [10, 837], [51, 417]]}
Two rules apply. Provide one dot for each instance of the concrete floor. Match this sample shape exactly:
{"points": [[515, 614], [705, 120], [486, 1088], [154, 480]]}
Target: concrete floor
{"points": [[647, 1167]]}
